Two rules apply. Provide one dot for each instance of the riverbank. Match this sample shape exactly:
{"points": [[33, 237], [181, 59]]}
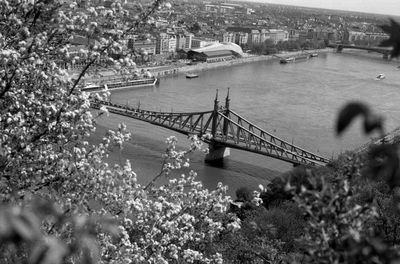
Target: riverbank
{"points": [[204, 66], [183, 68], [392, 137]]}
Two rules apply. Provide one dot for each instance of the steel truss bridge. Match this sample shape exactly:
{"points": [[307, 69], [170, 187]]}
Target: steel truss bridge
{"points": [[226, 127], [383, 50]]}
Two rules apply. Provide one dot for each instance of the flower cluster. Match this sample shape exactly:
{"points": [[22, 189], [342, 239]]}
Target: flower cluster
{"points": [[178, 221]]}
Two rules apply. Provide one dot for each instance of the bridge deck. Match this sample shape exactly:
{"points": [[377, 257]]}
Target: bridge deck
{"points": [[382, 50], [231, 130]]}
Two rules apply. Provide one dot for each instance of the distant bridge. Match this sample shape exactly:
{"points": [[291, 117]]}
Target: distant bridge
{"points": [[227, 129], [383, 50]]}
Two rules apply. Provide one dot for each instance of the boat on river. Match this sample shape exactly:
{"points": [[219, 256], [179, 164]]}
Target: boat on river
{"points": [[118, 84], [287, 60], [380, 77], [191, 75], [299, 57]]}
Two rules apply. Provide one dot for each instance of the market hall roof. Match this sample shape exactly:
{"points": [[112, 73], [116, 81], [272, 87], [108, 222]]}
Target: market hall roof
{"points": [[222, 46], [217, 53]]}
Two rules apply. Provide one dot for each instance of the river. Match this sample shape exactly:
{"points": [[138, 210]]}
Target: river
{"points": [[298, 102]]}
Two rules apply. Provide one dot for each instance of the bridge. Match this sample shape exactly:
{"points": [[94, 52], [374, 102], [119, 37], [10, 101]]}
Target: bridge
{"points": [[227, 129], [383, 50]]}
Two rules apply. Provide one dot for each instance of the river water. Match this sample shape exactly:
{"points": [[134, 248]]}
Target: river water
{"points": [[298, 102]]}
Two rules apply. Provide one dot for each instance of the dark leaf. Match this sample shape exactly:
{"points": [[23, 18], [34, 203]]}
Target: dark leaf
{"points": [[26, 226], [244, 194], [91, 253], [38, 253], [45, 208], [394, 37], [57, 251], [348, 113], [384, 164], [5, 225], [372, 122], [52, 252], [378, 245]]}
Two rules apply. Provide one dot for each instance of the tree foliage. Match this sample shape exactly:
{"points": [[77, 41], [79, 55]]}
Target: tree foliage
{"points": [[394, 37], [57, 193]]}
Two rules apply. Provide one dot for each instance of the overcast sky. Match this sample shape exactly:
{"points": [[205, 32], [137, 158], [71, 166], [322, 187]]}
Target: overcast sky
{"points": [[389, 7]]}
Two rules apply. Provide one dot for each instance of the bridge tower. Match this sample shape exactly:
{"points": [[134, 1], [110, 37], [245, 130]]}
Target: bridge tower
{"points": [[215, 116], [217, 151], [226, 122]]}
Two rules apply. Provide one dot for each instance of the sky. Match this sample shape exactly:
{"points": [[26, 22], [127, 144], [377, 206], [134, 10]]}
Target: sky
{"points": [[388, 7]]}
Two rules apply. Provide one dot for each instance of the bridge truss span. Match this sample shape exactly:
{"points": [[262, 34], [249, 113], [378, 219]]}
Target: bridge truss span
{"points": [[237, 132], [386, 51], [227, 129], [186, 123]]}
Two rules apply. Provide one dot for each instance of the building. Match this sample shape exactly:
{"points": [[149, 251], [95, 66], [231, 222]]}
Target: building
{"points": [[162, 23], [241, 38], [254, 37], [162, 43], [303, 35], [249, 11], [227, 37], [225, 9], [143, 45], [294, 35], [216, 52], [376, 37], [171, 42], [212, 8], [78, 40], [212, 56], [277, 35], [180, 41], [188, 40], [264, 35], [356, 35]]}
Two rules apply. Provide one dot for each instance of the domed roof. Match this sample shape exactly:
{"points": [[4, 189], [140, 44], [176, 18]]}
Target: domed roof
{"points": [[234, 47], [221, 46]]}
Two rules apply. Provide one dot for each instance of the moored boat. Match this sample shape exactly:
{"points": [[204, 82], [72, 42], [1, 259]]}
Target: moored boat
{"points": [[287, 60], [295, 58], [118, 84], [301, 57], [380, 77], [191, 75]]}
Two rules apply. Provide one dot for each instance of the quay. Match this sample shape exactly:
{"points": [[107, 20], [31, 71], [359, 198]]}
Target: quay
{"points": [[183, 68]]}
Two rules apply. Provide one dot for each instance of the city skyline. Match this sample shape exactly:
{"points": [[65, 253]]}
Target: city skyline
{"points": [[386, 7]]}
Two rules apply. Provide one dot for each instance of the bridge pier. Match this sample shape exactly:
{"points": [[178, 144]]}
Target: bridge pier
{"points": [[216, 153]]}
